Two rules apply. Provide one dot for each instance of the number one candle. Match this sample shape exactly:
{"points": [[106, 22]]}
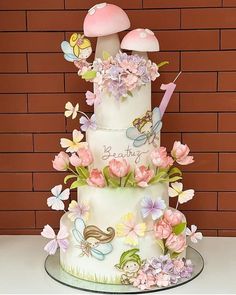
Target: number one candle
{"points": [[169, 89]]}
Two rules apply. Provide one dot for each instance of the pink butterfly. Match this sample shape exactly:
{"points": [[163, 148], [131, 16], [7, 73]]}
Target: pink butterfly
{"points": [[194, 236], [59, 240]]}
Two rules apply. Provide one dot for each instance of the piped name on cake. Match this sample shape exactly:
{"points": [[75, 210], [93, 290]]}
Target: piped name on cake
{"points": [[127, 153]]}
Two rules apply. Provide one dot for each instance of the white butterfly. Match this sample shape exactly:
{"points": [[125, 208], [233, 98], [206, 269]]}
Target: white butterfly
{"points": [[70, 110], [56, 201], [177, 191], [72, 146], [194, 236]]}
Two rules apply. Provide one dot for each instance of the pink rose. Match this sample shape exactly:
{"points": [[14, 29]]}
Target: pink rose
{"points": [[61, 162], [75, 160], [143, 175], [163, 280], [176, 243], [180, 153], [160, 159], [178, 265], [173, 217], [96, 178], [85, 156], [162, 229], [119, 168]]}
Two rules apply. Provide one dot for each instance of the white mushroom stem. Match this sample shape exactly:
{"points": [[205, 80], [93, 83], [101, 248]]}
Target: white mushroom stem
{"points": [[141, 53], [110, 44]]}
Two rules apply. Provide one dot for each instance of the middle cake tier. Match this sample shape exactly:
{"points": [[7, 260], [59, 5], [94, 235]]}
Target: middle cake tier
{"points": [[106, 145]]}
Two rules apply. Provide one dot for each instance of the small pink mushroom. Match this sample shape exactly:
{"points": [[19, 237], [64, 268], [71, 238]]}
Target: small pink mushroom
{"points": [[105, 21], [140, 41]]}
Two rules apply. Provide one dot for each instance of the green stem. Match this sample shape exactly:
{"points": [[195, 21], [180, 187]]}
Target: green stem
{"points": [[120, 181], [71, 170]]}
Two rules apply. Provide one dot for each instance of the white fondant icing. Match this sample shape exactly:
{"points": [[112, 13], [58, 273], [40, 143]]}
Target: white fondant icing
{"points": [[113, 114]]}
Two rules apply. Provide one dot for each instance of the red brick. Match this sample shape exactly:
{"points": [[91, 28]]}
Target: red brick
{"points": [[207, 102], [227, 81], [229, 3], [201, 201], [81, 4], [49, 142], [208, 18], [16, 143], [227, 162], [31, 42], [197, 82], [210, 142], [227, 122], [228, 39], [176, 122], [20, 231], [168, 139], [15, 181], [73, 124], [10, 63], [17, 219], [172, 57], [15, 83], [188, 40], [204, 162], [173, 106], [180, 3], [13, 103], [227, 233], [45, 181], [24, 200], [209, 232], [210, 181], [74, 83], [14, 162], [31, 4], [227, 201], [49, 62], [212, 219], [208, 61], [48, 217], [12, 21], [32, 123], [55, 102]]}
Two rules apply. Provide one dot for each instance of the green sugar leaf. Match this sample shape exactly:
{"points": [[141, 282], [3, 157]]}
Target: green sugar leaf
{"points": [[179, 228], [69, 177], [89, 75]]}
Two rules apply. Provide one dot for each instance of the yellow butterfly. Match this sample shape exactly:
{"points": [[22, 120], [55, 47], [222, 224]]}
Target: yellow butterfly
{"points": [[71, 110], [73, 145]]}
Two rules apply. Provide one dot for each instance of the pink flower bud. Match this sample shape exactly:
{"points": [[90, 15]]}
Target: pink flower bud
{"points": [[119, 168], [162, 229], [143, 175], [96, 178], [61, 162], [180, 153], [85, 156], [173, 217], [176, 243], [160, 159], [75, 160]]}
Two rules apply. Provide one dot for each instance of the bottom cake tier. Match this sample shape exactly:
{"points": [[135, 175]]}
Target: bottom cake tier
{"points": [[112, 242]]}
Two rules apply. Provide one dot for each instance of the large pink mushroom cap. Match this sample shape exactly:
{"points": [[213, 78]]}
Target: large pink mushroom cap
{"points": [[143, 40], [105, 19]]}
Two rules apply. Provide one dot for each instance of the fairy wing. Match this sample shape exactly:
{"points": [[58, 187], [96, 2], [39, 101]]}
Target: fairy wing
{"points": [[156, 120], [132, 133], [68, 51], [141, 140], [79, 229], [101, 250]]}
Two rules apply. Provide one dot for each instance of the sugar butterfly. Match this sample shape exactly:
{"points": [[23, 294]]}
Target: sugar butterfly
{"points": [[71, 110], [56, 201], [73, 145], [193, 234], [176, 190]]}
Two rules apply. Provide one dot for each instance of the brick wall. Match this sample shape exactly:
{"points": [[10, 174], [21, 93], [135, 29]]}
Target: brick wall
{"points": [[196, 36]]}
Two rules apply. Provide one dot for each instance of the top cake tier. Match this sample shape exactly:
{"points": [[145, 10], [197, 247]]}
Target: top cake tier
{"points": [[119, 114]]}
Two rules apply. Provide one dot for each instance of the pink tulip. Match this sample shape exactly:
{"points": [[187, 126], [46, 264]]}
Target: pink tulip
{"points": [[143, 175], [173, 217], [176, 243], [96, 178], [160, 159], [75, 160], [61, 162], [180, 153], [162, 229], [119, 168], [85, 156]]}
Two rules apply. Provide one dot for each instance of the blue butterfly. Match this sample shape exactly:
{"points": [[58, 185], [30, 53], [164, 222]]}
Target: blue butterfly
{"points": [[93, 248], [148, 131]]}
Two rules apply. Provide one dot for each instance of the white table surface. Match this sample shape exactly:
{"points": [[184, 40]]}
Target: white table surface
{"points": [[22, 268]]}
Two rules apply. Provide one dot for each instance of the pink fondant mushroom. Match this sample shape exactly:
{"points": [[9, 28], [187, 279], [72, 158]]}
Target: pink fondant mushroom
{"points": [[140, 41], [105, 21]]}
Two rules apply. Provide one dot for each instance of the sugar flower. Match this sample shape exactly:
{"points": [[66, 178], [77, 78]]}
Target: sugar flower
{"points": [[180, 153], [152, 208], [162, 280], [92, 98], [73, 145], [130, 230], [56, 201], [78, 210], [71, 110], [61, 162], [96, 178], [143, 175], [176, 243], [162, 229], [87, 123], [173, 217], [119, 168], [193, 234], [160, 158], [59, 240], [85, 156], [176, 190], [75, 160]]}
